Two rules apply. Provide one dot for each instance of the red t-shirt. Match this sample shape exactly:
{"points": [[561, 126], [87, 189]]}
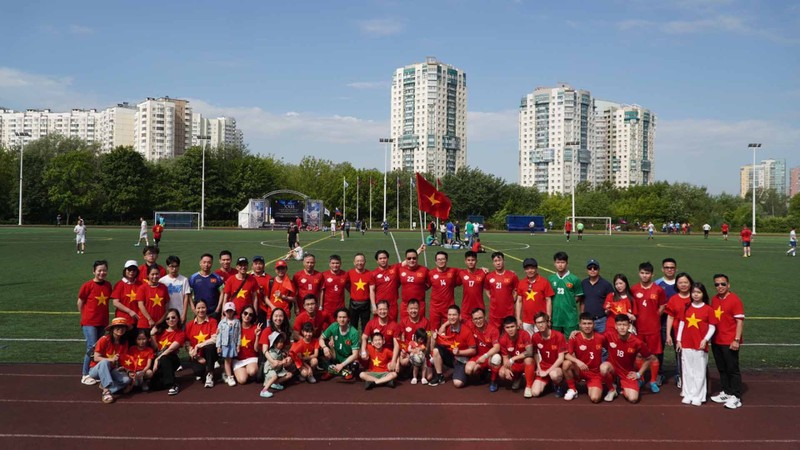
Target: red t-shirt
{"points": [[390, 331], [144, 268], [443, 286], [387, 282], [514, 346], [379, 359], [589, 351], [248, 347], [359, 285], [302, 349], [675, 307], [549, 349], [199, 333], [414, 283], [695, 326], [534, 296], [725, 227], [225, 274], [501, 293], [614, 308], [155, 301], [408, 328], [461, 338], [646, 303], [622, 354], [263, 287], [125, 292], [96, 297], [333, 286], [568, 227], [157, 230], [137, 359], [107, 349], [167, 337], [472, 291], [746, 235], [307, 284], [727, 310], [241, 297], [321, 321], [285, 288], [485, 339]]}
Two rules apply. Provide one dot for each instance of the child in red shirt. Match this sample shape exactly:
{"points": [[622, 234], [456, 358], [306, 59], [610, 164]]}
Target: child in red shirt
{"points": [[305, 353], [378, 357], [139, 361], [417, 354]]}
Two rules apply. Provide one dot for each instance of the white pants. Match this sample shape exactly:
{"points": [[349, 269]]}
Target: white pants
{"points": [[695, 365]]}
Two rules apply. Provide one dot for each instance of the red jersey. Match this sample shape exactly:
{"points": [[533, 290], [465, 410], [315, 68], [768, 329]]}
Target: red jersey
{"points": [[589, 351], [359, 285], [285, 288], [414, 283], [408, 328], [472, 292], [241, 296], [157, 230], [727, 310], [198, 333], [501, 293], [443, 287], [387, 282], [390, 331], [516, 346], [725, 227], [321, 321], [568, 227], [263, 287], [379, 359], [455, 339], [137, 359], [248, 347], [144, 268], [225, 274], [646, 304], [95, 296], [302, 349], [549, 349], [333, 287], [696, 322], [534, 296], [167, 337], [675, 307], [155, 302], [106, 347], [622, 354], [307, 284], [485, 338], [125, 292], [615, 307], [746, 235]]}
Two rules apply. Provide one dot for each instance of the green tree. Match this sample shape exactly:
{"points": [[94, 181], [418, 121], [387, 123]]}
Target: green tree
{"points": [[71, 180], [125, 184]]}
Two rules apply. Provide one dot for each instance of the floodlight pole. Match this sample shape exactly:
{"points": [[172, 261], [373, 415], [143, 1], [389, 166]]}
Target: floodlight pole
{"points": [[386, 141], [205, 139], [574, 155], [21, 134], [754, 146]]}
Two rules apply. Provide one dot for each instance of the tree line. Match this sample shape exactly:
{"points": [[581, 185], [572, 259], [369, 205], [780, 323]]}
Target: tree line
{"points": [[71, 177]]}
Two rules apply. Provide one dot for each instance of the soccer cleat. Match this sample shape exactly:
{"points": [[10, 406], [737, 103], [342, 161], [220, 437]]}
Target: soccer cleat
{"points": [[571, 394], [559, 391], [528, 393], [209, 380], [311, 379], [654, 388], [265, 393], [733, 402], [325, 376], [722, 397], [347, 375], [516, 384], [611, 395], [493, 387]]}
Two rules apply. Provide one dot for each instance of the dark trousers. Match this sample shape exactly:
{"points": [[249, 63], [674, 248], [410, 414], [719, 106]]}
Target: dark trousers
{"points": [[210, 355], [359, 314], [164, 377], [728, 366]]}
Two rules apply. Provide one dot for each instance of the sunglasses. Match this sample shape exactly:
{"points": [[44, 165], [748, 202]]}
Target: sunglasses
{"points": [[246, 314], [172, 318], [593, 268], [411, 258], [720, 284]]}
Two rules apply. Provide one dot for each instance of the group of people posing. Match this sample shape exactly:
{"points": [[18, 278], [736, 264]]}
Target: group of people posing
{"points": [[540, 333]]}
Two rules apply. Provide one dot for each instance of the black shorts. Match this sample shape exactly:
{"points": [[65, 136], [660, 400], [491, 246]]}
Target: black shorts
{"points": [[449, 360]]}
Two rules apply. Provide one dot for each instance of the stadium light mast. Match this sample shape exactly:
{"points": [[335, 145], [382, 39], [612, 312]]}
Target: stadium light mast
{"points": [[21, 134], [754, 146], [388, 142], [205, 138], [572, 144]]}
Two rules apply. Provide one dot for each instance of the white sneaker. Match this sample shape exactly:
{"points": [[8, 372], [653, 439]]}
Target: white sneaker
{"points": [[722, 397], [413, 381], [231, 381], [423, 380], [733, 402], [696, 402], [209, 380], [311, 379], [216, 365], [686, 401], [571, 394], [612, 394], [88, 381], [528, 393]]}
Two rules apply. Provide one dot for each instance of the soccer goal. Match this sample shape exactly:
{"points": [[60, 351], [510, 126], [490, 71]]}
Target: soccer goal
{"points": [[594, 225], [185, 220]]}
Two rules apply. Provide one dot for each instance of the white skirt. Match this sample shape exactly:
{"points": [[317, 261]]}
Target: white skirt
{"points": [[694, 381]]}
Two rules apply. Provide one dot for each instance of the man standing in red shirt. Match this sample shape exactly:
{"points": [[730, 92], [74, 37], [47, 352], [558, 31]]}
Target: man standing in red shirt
{"points": [[568, 229], [534, 295], [241, 289], [362, 292], [308, 280], [225, 270], [263, 280], [413, 282], [471, 286], [649, 301], [745, 237], [623, 349], [725, 344], [725, 228], [500, 286], [387, 282], [454, 346], [443, 281], [334, 284]]}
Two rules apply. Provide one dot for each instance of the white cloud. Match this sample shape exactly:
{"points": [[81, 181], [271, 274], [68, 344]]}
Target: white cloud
{"points": [[381, 27], [22, 90], [80, 29], [369, 85], [719, 23]]}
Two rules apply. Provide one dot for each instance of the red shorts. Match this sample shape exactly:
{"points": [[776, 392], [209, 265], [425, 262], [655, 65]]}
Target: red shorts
{"points": [[481, 365], [627, 383], [437, 318], [593, 378], [653, 343], [544, 366], [518, 368]]}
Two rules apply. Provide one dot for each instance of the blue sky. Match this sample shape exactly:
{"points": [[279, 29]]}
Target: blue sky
{"points": [[312, 77]]}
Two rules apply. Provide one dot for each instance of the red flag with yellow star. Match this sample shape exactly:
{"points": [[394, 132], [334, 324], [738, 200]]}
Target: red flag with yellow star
{"points": [[432, 201]]}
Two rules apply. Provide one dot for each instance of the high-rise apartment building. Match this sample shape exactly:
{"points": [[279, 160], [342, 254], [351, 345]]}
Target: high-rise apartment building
{"points": [[115, 126], [163, 128], [556, 138], [625, 145], [37, 123], [770, 174], [794, 181], [429, 118], [215, 132]]}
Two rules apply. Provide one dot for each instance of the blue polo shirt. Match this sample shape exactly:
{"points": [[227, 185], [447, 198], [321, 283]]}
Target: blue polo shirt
{"points": [[206, 288], [594, 295]]}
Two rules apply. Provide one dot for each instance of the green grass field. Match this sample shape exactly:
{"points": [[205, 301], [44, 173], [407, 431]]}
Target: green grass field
{"points": [[42, 275]]}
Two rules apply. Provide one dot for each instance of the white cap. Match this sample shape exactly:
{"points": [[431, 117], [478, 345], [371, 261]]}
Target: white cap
{"points": [[131, 263]]}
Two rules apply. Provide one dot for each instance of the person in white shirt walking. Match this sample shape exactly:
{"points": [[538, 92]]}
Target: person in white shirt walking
{"points": [[80, 237], [142, 233], [792, 243], [706, 230]]}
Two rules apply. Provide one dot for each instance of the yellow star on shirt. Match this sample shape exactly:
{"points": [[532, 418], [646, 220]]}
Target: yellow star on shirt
{"points": [[531, 296], [201, 337], [157, 300], [111, 355], [454, 345], [306, 353], [432, 199], [102, 299], [245, 341], [131, 297], [718, 312], [241, 293], [376, 361], [619, 308], [360, 284], [139, 361], [128, 363], [694, 321], [164, 344]]}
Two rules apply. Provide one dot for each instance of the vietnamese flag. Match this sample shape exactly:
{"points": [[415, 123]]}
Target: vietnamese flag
{"points": [[431, 200]]}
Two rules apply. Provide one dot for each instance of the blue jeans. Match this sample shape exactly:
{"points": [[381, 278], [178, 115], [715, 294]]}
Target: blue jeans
{"points": [[110, 378], [92, 334]]}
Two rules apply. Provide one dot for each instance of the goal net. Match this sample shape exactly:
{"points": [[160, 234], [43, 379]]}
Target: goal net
{"points": [[593, 225], [172, 220]]}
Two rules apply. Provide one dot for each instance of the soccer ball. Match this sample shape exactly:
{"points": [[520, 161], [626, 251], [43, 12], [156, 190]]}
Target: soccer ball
{"points": [[417, 360]]}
